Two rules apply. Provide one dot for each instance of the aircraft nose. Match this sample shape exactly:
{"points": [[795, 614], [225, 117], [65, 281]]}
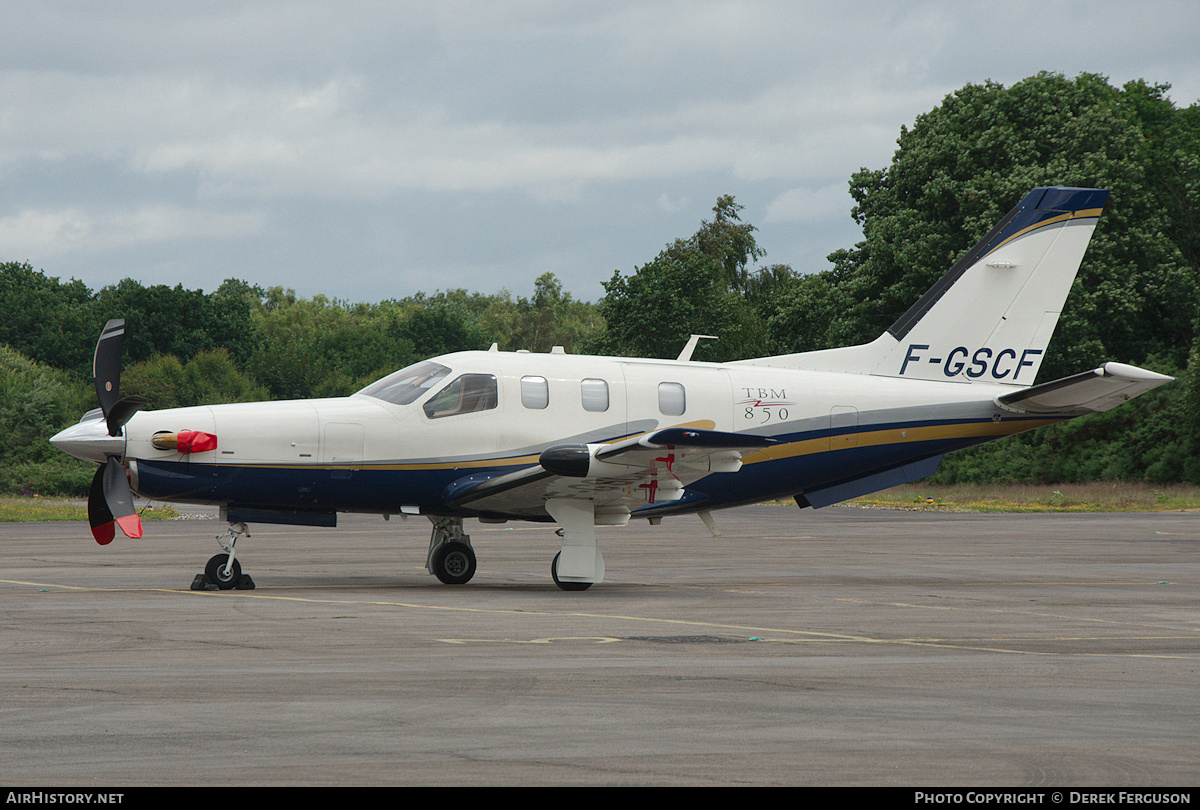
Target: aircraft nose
{"points": [[89, 440]]}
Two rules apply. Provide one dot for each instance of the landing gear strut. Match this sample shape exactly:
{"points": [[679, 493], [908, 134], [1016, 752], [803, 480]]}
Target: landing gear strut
{"points": [[223, 572], [579, 564], [451, 558]]}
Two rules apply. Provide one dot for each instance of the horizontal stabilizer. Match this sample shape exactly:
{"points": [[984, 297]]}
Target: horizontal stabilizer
{"points": [[1100, 389]]}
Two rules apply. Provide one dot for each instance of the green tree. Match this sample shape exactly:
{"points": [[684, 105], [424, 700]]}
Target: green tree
{"points": [[700, 285], [550, 318], [966, 162], [956, 172], [652, 312], [1171, 155], [46, 320], [36, 402], [321, 347], [174, 320], [441, 329], [726, 240], [233, 305], [209, 378]]}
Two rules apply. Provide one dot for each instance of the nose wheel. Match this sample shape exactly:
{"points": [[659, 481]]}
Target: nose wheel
{"points": [[223, 572]]}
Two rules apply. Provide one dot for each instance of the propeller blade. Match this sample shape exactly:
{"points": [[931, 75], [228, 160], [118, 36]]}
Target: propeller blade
{"points": [[119, 497], [99, 515], [106, 364], [106, 368], [120, 412], [110, 500]]}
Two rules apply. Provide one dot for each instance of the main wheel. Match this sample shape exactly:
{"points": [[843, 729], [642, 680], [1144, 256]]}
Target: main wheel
{"points": [[566, 586], [454, 563], [215, 571]]}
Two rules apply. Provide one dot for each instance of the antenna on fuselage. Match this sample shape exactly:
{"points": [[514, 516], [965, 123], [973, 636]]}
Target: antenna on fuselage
{"points": [[686, 354]]}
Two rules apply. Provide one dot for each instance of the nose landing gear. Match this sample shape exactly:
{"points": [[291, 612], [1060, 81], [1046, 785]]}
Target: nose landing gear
{"points": [[223, 572]]}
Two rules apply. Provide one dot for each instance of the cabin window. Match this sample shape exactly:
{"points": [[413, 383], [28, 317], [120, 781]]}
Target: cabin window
{"points": [[467, 394], [408, 384], [595, 395], [535, 392], [671, 398]]}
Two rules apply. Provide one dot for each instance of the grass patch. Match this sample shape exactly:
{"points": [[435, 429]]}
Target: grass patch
{"points": [[1095, 497], [17, 510]]}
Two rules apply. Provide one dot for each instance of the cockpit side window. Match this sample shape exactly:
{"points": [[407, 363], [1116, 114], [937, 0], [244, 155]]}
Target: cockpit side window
{"points": [[408, 384], [469, 393]]}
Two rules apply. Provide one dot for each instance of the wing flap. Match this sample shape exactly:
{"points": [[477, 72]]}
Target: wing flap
{"points": [[1094, 391], [618, 477]]}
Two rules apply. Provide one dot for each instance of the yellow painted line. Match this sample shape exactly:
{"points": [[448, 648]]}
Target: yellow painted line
{"points": [[762, 634], [61, 587], [548, 640]]}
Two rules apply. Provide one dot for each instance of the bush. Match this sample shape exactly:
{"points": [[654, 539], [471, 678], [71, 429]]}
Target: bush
{"points": [[35, 403]]}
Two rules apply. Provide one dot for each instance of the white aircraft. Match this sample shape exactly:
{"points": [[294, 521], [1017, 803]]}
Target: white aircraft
{"points": [[585, 441]]}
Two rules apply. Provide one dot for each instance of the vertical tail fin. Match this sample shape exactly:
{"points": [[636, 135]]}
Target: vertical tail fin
{"points": [[991, 316]]}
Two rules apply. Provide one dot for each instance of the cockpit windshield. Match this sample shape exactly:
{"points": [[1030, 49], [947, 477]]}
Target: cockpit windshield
{"points": [[408, 384]]}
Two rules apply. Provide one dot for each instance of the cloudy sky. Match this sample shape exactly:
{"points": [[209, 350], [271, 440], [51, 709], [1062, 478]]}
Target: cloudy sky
{"points": [[371, 150]]}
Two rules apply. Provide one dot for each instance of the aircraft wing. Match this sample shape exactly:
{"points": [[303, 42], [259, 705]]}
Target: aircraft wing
{"points": [[650, 469], [1100, 389]]}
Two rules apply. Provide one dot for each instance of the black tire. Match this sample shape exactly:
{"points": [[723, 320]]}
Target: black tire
{"points": [[215, 571], [566, 586], [454, 563]]}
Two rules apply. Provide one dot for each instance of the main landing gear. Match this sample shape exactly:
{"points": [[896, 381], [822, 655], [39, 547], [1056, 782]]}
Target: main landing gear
{"points": [[451, 558], [575, 568], [579, 564], [223, 572], [565, 586]]}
